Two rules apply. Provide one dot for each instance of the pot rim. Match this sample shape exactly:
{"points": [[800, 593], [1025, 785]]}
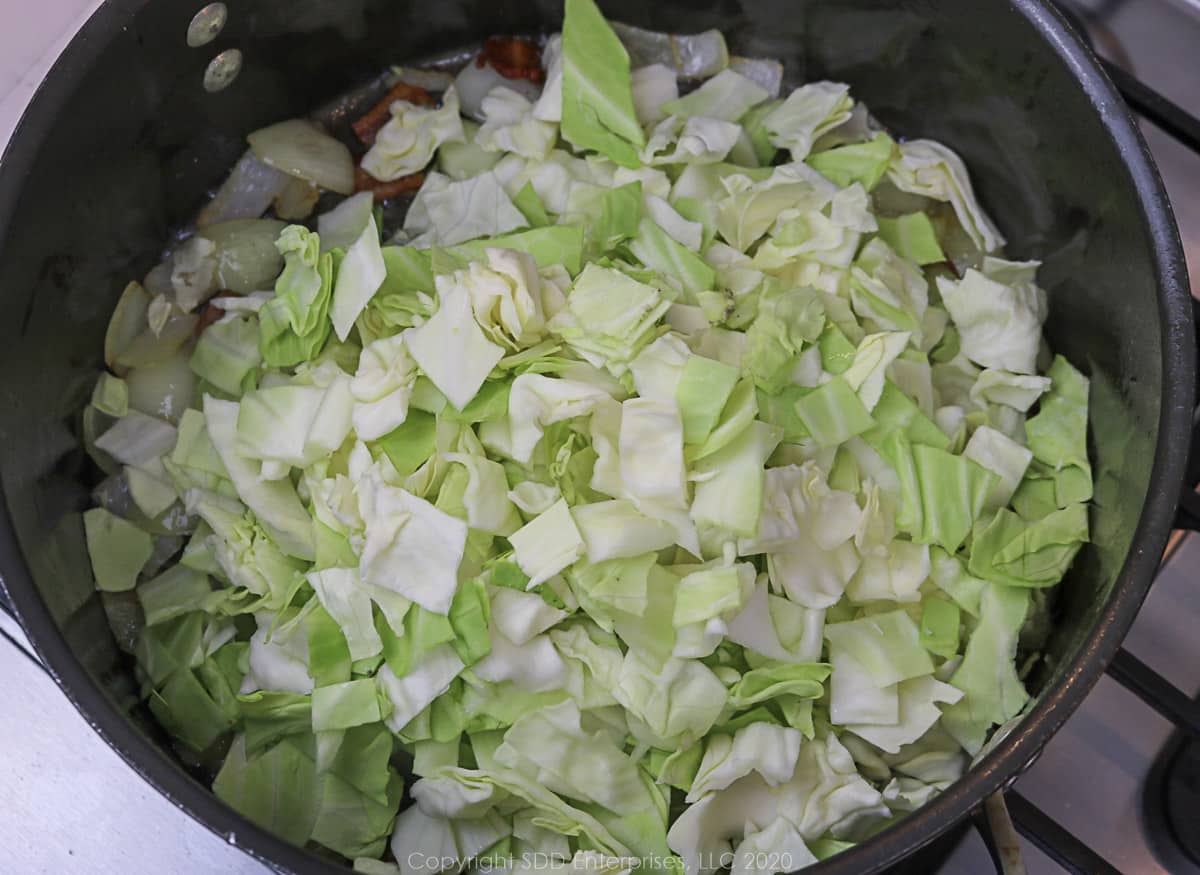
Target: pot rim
{"points": [[994, 771]]}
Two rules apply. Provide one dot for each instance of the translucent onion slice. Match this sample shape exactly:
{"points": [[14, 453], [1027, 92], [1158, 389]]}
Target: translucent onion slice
{"points": [[149, 348], [763, 71], [127, 322], [246, 193], [300, 148], [691, 56], [247, 259], [473, 84], [163, 389]]}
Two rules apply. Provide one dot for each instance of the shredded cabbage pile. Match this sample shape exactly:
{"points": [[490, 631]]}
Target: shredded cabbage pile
{"points": [[670, 492]]}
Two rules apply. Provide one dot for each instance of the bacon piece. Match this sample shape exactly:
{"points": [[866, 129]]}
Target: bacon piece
{"points": [[513, 57], [210, 312], [368, 125], [383, 191]]}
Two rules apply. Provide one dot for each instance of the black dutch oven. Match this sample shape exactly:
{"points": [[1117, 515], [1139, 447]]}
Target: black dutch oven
{"points": [[121, 143]]}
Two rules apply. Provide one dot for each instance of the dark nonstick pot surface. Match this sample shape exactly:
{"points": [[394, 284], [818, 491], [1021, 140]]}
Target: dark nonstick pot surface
{"points": [[121, 143]]}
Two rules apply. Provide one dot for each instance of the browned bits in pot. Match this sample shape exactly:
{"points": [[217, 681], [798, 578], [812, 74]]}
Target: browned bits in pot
{"points": [[383, 191], [513, 57], [366, 127], [210, 312]]}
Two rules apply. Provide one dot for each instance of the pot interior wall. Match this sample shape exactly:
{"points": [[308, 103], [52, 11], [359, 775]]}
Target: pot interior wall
{"points": [[136, 143]]}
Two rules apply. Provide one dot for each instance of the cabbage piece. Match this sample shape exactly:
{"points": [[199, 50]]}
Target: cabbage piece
{"points": [[682, 699], [939, 626], [506, 297], [345, 705], [294, 424], [942, 495], [555, 245], [854, 695], [382, 387], [359, 275], [746, 213], [551, 811], [727, 96], [349, 603], [1057, 435], [451, 348], [987, 675], [278, 662], [405, 145], [802, 680], [912, 236], [769, 750], [696, 140], [597, 104], [833, 413], [806, 114], [554, 745], [411, 694], [227, 354], [547, 544], [932, 170], [1034, 553], [776, 848], [617, 529], [659, 251], [893, 573], [609, 317], [277, 788], [548, 107], [703, 388], [875, 353], [1004, 457], [464, 160], [302, 149], [1018, 391], [536, 401], [511, 126], [520, 616], [294, 324], [777, 628], [274, 502], [886, 645], [683, 231], [654, 86], [889, 290], [798, 505], [1000, 324], [658, 368], [651, 452], [137, 439], [918, 712], [411, 547], [729, 487], [864, 163], [712, 592], [118, 549], [786, 320], [446, 212]]}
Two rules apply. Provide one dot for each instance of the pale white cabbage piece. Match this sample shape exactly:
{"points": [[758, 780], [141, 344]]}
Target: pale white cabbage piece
{"points": [[406, 144]]}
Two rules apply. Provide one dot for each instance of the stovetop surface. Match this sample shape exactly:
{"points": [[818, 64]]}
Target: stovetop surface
{"points": [[74, 806]]}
